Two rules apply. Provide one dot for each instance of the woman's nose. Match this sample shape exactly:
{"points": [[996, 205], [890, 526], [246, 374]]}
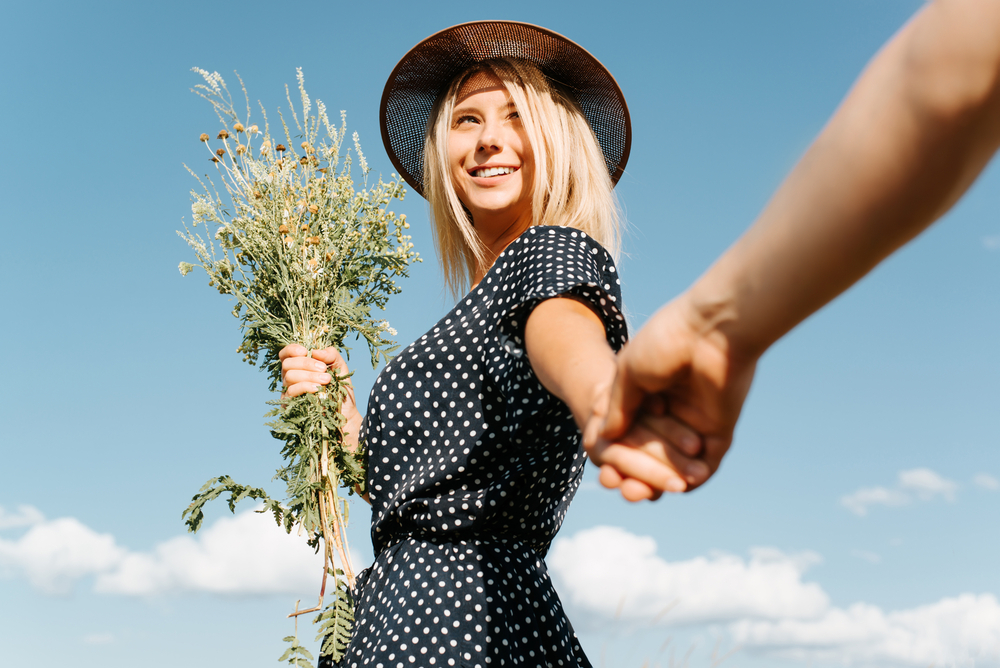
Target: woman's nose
{"points": [[490, 140]]}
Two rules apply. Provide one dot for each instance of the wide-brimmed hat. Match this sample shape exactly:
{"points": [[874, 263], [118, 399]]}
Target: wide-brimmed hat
{"points": [[427, 69]]}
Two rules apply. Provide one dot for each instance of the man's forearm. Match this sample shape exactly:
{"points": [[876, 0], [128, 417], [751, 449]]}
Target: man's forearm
{"points": [[919, 126]]}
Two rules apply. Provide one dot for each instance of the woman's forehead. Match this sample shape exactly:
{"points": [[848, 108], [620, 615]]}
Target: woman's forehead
{"points": [[481, 81]]}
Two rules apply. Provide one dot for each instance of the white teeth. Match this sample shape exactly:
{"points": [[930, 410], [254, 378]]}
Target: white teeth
{"points": [[493, 171]]}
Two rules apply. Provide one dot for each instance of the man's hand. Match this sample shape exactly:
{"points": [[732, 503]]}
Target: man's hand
{"points": [[677, 374]]}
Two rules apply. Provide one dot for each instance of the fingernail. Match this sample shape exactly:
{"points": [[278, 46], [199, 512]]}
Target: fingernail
{"points": [[696, 471], [675, 485], [319, 366]]}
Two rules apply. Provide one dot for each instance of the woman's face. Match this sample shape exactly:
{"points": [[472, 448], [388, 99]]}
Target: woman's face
{"points": [[490, 158]]}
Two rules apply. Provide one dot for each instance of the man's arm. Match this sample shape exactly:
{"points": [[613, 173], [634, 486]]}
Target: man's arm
{"points": [[919, 126]]}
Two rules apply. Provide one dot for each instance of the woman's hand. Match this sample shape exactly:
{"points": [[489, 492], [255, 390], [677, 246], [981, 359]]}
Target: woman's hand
{"points": [[302, 373]]}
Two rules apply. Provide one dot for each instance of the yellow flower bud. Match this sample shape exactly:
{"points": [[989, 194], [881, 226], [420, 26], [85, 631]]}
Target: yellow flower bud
{"points": [[283, 229], [253, 130], [313, 209], [203, 137], [279, 147], [238, 127], [220, 152], [223, 135]]}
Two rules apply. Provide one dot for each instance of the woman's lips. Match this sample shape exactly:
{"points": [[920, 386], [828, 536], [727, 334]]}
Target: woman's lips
{"points": [[491, 171]]}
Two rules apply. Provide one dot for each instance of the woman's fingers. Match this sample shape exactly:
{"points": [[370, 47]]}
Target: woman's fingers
{"points": [[633, 490], [631, 462], [331, 357], [292, 350]]}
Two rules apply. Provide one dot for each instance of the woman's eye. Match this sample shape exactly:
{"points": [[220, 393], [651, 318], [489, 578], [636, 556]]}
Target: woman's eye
{"points": [[465, 119], [514, 116]]}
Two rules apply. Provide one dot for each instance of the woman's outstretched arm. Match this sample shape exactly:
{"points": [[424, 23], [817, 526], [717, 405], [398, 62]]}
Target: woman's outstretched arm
{"points": [[920, 124]]}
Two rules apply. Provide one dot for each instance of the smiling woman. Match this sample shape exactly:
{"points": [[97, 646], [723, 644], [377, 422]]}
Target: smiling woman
{"points": [[473, 432], [492, 115]]}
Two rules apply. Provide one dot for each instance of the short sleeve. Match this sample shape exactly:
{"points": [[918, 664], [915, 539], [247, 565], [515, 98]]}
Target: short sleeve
{"points": [[542, 263]]}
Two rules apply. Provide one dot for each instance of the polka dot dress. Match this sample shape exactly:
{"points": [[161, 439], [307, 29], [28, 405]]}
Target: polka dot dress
{"points": [[472, 465]]}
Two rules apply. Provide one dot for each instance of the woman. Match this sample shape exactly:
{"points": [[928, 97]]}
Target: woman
{"points": [[473, 431]]}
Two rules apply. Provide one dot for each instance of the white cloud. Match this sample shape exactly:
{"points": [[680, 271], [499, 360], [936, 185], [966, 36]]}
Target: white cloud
{"points": [[921, 483], [608, 572], [54, 554], [25, 516], [986, 481], [927, 484], [960, 631], [244, 554]]}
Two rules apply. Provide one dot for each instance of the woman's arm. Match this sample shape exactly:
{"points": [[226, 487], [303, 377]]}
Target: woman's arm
{"points": [[919, 126], [568, 350]]}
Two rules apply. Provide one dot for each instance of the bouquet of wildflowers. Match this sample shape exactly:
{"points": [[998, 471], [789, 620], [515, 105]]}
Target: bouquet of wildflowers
{"points": [[305, 258]]}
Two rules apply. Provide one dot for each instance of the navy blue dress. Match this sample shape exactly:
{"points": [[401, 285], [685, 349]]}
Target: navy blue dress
{"points": [[472, 465]]}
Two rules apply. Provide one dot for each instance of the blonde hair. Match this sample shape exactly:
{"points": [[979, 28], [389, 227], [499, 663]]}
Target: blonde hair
{"points": [[571, 185]]}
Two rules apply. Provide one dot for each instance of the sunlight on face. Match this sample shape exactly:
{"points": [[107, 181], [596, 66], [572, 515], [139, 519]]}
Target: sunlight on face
{"points": [[489, 156]]}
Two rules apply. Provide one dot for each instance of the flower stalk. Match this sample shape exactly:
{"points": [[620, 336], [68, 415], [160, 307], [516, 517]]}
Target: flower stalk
{"points": [[307, 258]]}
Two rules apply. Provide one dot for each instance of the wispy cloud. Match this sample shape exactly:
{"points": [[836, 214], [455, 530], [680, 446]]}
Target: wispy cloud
{"points": [[859, 501], [986, 481], [607, 574], [927, 484], [244, 554], [864, 555], [922, 483], [25, 516]]}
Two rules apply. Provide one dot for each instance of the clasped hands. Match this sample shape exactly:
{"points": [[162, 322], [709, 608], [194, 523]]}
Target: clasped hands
{"points": [[672, 408]]}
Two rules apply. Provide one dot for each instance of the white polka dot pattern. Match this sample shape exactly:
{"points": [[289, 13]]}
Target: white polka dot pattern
{"points": [[472, 465]]}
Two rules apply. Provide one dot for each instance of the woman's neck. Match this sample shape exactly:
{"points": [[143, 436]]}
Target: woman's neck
{"points": [[503, 234]]}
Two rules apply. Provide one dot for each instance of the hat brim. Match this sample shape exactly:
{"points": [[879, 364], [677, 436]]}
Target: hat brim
{"points": [[425, 72]]}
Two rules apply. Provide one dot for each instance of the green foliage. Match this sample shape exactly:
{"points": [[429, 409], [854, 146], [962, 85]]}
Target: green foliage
{"points": [[335, 623], [193, 516], [306, 257], [296, 654]]}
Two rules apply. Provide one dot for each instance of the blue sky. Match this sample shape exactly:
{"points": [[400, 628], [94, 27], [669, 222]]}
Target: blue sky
{"points": [[860, 496]]}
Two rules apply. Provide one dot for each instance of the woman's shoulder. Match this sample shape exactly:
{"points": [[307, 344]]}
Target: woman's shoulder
{"points": [[554, 240]]}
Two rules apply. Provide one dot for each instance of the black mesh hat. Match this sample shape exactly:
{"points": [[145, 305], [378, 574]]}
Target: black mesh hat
{"points": [[426, 71]]}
